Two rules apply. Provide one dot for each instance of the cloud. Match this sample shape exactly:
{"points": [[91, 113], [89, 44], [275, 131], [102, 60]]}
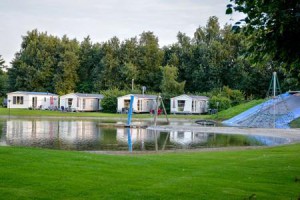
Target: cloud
{"points": [[104, 19]]}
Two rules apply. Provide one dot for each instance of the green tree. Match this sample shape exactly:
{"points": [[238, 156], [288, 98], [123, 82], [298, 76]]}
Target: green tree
{"points": [[149, 62], [89, 61], [66, 77], [33, 66], [169, 84], [3, 79], [110, 101], [111, 73], [273, 28]]}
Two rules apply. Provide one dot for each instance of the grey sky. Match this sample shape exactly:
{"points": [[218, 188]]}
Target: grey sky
{"points": [[103, 19]]}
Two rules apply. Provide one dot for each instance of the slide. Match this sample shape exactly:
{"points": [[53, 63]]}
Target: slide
{"points": [[274, 113]]}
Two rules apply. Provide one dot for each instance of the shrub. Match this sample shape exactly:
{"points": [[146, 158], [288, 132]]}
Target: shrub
{"points": [[110, 101], [224, 102]]}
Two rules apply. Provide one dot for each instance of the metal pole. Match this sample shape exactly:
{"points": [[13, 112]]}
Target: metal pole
{"points": [[130, 111], [132, 83], [274, 96], [129, 139], [274, 84]]}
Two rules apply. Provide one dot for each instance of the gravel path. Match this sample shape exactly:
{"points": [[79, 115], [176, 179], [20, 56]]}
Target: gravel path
{"points": [[293, 134]]}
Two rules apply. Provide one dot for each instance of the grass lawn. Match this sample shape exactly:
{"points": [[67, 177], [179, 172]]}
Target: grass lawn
{"points": [[271, 173], [231, 112]]}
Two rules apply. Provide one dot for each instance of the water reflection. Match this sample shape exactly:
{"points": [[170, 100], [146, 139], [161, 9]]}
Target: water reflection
{"points": [[88, 135]]}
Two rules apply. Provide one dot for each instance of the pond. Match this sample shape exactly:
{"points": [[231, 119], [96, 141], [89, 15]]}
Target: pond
{"points": [[91, 135]]}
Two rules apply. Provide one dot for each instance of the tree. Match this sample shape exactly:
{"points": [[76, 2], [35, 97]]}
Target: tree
{"points": [[66, 77], [33, 66], [169, 85], [150, 59], [1, 62], [273, 28], [3, 79]]}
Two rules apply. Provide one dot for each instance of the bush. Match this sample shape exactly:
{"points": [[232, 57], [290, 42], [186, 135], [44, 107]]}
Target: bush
{"points": [[110, 101], [224, 102], [236, 96]]}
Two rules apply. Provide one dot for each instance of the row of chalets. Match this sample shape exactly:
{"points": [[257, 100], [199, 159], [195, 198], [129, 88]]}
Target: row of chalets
{"points": [[142, 103]]}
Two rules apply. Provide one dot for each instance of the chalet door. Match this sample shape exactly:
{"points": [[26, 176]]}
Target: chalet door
{"points": [[70, 102], [34, 102]]}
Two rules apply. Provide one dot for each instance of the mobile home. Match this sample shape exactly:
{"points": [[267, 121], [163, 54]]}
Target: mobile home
{"points": [[189, 104], [34, 100], [81, 102], [141, 103]]}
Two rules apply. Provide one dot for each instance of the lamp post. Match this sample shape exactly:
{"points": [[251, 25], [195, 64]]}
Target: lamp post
{"points": [[217, 103]]}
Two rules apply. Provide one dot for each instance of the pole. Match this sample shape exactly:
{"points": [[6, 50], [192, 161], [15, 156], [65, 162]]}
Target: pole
{"points": [[156, 110], [130, 111], [9, 108], [129, 139], [274, 96], [132, 83], [274, 84], [164, 109]]}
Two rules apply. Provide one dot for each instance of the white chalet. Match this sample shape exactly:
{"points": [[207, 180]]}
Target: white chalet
{"points": [[34, 100], [189, 104], [141, 103], [81, 102]]}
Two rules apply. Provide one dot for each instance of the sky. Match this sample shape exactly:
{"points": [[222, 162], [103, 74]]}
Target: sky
{"points": [[104, 19]]}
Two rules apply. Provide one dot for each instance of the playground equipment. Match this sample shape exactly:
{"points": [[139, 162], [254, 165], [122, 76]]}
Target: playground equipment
{"points": [[276, 112]]}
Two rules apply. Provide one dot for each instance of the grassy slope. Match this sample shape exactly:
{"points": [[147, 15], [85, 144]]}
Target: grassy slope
{"points": [[295, 123], [233, 111], [47, 174]]}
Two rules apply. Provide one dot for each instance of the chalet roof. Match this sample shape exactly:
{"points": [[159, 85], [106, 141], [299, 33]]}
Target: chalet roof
{"points": [[142, 96], [33, 93], [99, 96], [198, 97], [194, 97]]}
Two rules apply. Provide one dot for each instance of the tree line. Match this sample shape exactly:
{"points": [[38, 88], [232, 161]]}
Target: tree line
{"points": [[213, 58]]}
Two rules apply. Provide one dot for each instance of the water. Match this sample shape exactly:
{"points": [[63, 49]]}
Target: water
{"points": [[90, 135]]}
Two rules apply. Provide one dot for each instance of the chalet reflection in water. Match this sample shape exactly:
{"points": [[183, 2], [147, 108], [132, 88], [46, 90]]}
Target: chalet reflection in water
{"points": [[88, 135], [48, 133]]}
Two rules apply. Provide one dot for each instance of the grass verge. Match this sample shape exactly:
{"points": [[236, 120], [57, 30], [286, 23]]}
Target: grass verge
{"points": [[271, 173], [226, 114]]}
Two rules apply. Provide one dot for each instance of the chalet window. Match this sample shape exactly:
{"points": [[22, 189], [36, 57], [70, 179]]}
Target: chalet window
{"points": [[83, 103], [126, 103], [181, 104], [180, 135], [174, 102], [18, 100], [45, 99]]}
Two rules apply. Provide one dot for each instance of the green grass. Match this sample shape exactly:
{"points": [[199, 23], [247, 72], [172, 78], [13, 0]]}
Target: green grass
{"points": [[271, 173], [233, 111], [295, 123], [47, 113]]}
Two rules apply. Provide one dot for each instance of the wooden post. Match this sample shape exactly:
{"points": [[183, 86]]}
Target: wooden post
{"points": [[164, 109], [156, 110]]}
